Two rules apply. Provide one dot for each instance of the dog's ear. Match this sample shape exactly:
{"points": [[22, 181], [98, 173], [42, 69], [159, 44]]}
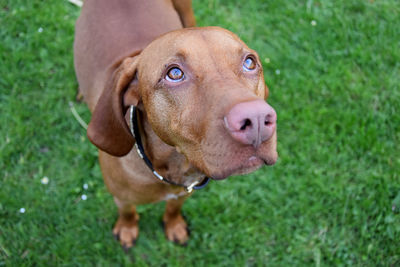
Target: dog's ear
{"points": [[108, 129]]}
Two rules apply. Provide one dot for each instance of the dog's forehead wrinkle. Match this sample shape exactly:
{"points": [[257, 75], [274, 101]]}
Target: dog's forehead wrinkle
{"points": [[226, 41], [195, 41], [214, 58]]}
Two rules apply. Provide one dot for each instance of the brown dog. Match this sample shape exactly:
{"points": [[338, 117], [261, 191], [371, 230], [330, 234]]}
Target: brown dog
{"points": [[193, 98]]}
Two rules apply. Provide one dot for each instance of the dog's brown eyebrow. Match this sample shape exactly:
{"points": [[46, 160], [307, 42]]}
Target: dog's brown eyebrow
{"points": [[182, 54]]}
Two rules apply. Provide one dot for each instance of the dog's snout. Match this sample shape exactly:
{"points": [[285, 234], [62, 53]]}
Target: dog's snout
{"points": [[251, 123]]}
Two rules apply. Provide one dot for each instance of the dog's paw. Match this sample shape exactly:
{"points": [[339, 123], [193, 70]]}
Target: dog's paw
{"points": [[126, 232], [176, 230]]}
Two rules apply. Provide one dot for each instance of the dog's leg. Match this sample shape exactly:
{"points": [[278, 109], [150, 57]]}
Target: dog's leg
{"points": [[126, 229], [175, 227]]}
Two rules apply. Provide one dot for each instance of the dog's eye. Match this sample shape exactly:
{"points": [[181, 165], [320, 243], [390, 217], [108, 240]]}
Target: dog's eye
{"points": [[249, 64], [175, 75]]}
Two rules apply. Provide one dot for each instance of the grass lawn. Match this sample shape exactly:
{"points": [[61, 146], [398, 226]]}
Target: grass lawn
{"points": [[333, 198]]}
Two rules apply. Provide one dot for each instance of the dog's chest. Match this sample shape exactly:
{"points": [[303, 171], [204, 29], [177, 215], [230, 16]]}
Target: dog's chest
{"points": [[174, 196]]}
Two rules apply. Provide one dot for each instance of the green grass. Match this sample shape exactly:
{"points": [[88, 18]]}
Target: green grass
{"points": [[333, 198]]}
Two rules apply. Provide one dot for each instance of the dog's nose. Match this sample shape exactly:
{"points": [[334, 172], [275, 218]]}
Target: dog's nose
{"points": [[251, 123]]}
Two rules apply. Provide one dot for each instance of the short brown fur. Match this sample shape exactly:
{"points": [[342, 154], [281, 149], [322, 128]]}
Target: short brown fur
{"points": [[121, 52]]}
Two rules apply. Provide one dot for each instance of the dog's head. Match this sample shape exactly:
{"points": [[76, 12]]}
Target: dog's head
{"points": [[203, 92]]}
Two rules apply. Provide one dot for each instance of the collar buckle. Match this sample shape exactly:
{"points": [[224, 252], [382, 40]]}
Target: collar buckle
{"points": [[189, 189]]}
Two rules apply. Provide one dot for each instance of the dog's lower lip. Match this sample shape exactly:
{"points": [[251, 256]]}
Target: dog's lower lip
{"points": [[269, 162], [252, 162]]}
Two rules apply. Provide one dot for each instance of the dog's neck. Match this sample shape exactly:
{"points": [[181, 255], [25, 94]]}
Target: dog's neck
{"points": [[165, 159]]}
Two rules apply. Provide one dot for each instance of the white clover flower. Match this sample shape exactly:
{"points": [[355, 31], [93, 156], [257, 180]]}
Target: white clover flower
{"points": [[40, 30], [313, 23], [277, 72], [85, 186], [44, 180], [83, 197], [22, 210]]}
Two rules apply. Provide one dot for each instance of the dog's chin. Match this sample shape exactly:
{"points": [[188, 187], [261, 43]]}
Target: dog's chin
{"points": [[250, 165]]}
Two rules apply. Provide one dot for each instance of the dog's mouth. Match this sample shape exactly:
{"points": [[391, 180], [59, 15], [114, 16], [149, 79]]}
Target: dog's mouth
{"points": [[235, 160], [252, 164]]}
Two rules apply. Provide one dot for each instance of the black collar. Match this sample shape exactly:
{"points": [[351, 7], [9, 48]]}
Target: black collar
{"points": [[139, 148]]}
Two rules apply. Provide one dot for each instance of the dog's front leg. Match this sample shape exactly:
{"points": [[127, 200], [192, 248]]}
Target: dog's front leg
{"points": [[175, 227], [126, 229]]}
